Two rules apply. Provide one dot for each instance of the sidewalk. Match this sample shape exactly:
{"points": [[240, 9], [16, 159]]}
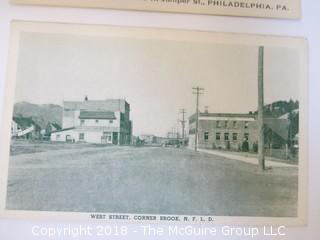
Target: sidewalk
{"points": [[248, 158]]}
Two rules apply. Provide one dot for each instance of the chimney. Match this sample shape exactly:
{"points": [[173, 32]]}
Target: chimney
{"points": [[206, 109], [86, 98]]}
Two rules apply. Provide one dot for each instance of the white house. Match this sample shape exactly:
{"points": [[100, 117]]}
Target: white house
{"points": [[25, 127], [100, 122]]}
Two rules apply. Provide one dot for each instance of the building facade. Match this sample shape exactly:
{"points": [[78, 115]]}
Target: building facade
{"points": [[25, 127], [101, 122], [149, 139], [238, 132], [51, 127]]}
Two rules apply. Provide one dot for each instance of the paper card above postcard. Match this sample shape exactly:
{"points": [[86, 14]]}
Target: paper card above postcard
{"points": [[250, 8]]}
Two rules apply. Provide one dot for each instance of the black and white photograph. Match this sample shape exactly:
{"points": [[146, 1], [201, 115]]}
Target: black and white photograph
{"points": [[139, 121]]}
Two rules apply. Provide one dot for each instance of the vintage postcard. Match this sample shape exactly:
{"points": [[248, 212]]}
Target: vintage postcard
{"points": [[144, 124], [251, 8]]}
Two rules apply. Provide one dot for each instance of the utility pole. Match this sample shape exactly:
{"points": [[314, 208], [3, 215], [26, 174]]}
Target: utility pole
{"points": [[178, 122], [260, 108], [183, 122], [173, 132], [197, 91]]}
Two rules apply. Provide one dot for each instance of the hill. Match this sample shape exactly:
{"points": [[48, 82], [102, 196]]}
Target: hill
{"points": [[279, 108], [41, 114]]}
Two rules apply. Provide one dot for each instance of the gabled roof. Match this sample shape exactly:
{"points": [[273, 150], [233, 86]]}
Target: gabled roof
{"points": [[286, 115], [56, 126], [25, 122], [96, 115], [278, 126], [62, 130]]}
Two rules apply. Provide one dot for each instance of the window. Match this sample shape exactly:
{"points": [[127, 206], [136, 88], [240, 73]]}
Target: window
{"points": [[218, 136], [246, 124], [81, 136], [110, 121], [234, 124], [82, 122], [206, 136], [226, 124], [192, 131], [218, 124], [58, 137], [97, 121], [235, 136], [226, 136], [107, 136], [246, 136], [68, 138]]}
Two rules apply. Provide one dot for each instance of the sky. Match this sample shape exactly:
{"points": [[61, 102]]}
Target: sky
{"points": [[155, 76]]}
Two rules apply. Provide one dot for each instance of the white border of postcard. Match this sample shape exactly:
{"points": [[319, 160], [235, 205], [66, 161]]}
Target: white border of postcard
{"points": [[152, 33]]}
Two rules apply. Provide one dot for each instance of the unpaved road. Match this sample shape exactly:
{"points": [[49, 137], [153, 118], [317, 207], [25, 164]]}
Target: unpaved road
{"points": [[147, 180]]}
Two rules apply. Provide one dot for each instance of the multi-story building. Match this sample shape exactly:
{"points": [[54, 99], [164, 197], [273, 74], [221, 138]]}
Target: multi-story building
{"points": [[102, 122], [224, 131], [238, 132]]}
